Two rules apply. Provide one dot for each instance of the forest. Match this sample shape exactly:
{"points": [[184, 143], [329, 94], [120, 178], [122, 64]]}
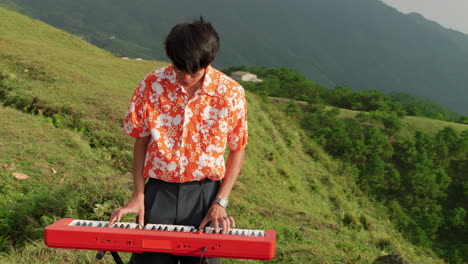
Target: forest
{"points": [[422, 179]]}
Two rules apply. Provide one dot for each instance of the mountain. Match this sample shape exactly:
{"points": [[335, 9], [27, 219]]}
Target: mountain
{"points": [[362, 44], [62, 103]]}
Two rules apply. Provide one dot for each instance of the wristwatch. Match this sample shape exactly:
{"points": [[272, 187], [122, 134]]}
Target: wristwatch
{"points": [[222, 202]]}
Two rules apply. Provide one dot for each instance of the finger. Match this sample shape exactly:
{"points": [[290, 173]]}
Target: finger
{"points": [[216, 225], [232, 222], [118, 216], [225, 223], [141, 218], [203, 224], [113, 216]]}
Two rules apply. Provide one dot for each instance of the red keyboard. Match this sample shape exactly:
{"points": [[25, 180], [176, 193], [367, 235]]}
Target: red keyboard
{"points": [[174, 239]]}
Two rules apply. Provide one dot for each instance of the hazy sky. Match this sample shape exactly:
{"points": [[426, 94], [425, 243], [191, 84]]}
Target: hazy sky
{"points": [[449, 13]]}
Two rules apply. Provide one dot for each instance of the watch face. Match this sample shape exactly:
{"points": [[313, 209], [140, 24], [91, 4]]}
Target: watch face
{"points": [[222, 202]]}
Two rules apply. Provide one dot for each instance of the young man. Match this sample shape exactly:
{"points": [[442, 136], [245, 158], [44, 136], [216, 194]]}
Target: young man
{"points": [[182, 117]]}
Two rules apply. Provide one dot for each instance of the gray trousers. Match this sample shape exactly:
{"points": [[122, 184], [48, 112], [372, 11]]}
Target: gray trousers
{"points": [[176, 204]]}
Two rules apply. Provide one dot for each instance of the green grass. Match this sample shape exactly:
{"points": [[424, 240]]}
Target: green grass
{"points": [[411, 124], [61, 126]]}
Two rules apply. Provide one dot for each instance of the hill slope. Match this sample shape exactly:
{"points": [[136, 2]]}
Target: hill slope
{"points": [[363, 44], [411, 124], [63, 100]]}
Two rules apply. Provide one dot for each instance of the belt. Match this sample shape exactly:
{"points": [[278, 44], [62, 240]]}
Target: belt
{"points": [[202, 182]]}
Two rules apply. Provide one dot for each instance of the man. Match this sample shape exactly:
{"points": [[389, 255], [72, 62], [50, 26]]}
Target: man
{"points": [[182, 117]]}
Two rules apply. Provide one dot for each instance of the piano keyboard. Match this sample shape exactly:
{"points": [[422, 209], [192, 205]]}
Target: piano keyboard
{"points": [[174, 239], [172, 228]]}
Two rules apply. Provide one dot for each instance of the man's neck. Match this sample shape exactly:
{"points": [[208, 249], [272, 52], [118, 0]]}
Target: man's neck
{"points": [[194, 88]]}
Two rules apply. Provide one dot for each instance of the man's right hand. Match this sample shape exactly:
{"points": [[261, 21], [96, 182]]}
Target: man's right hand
{"points": [[136, 205]]}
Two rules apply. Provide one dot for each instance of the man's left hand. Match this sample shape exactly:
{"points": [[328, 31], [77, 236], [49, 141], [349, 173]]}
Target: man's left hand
{"points": [[218, 216]]}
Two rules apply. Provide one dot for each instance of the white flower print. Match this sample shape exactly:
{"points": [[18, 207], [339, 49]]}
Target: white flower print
{"points": [[171, 166], [203, 128], [160, 164], [165, 120], [153, 97], [207, 80], [131, 108], [206, 161], [233, 140], [159, 71], [223, 127], [169, 142], [220, 160], [223, 112], [197, 174], [155, 134], [210, 112], [188, 114], [157, 88], [221, 89], [142, 88], [213, 148], [184, 161], [128, 127], [152, 174], [177, 119], [172, 97]]}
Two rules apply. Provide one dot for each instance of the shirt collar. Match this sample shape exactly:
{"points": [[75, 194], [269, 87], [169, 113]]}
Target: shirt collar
{"points": [[208, 86]]}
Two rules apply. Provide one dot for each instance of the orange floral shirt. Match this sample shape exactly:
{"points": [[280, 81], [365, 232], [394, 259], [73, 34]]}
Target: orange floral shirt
{"points": [[188, 135]]}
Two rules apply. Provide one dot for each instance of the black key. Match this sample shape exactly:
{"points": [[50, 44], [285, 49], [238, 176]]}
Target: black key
{"points": [[175, 229], [128, 226], [166, 228], [78, 223], [243, 233]]}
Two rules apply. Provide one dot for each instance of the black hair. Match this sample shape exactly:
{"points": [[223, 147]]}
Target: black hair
{"points": [[192, 46]]}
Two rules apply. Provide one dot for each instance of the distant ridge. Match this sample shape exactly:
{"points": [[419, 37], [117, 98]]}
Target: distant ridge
{"points": [[362, 44]]}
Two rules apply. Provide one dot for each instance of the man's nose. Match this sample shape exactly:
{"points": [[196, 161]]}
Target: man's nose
{"points": [[185, 76]]}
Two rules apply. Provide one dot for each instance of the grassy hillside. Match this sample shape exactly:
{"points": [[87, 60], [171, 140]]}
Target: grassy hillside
{"points": [[411, 124], [63, 102]]}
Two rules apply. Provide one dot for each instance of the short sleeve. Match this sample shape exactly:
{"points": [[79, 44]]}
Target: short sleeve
{"points": [[238, 132], [135, 123]]}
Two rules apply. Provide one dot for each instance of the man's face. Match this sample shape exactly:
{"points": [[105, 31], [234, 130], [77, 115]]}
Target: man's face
{"points": [[189, 80]]}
